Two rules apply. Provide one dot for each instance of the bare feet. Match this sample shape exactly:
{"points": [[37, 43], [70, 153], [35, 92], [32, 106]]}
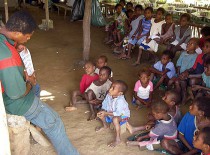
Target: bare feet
{"points": [[115, 143], [68, 109], [135, 64], [92, 117], [100, 128], [132, 143], [130, 128]]}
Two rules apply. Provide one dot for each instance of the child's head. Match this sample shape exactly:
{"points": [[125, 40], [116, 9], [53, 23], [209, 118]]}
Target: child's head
{"points": [[169, 18], [104, 73], [160, 12], [200, 107], [206, 47], [138, 10], [159, 110], [144, 75], [101, 61], [118, 8], [89, 67], [205, 32], [184, 19], [166, 57], [207, 67], [171, 98], [192, 45], [122, 3], [129, 13], [148, 12], [118, 88], [202, 140], [129, 6]]}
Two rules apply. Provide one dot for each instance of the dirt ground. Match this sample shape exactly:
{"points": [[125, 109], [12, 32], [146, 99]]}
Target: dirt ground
{"points": [[55, 54]]}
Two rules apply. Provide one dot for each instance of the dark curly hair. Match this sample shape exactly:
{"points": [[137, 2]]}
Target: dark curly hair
{"points": [[186, 15], [203, 104], [206, 132], [21, 21], [108, 69], [122, 84]]}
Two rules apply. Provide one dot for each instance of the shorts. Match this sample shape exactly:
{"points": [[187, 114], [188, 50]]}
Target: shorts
{"points": [[110, 119], [135, 41], [134, 100]]}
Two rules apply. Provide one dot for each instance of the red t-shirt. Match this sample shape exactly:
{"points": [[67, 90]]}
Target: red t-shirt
{"points": [[86, 81]]}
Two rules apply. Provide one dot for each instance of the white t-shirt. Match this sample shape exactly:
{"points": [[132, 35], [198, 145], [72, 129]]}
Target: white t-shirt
{"points": [[142, 92]]}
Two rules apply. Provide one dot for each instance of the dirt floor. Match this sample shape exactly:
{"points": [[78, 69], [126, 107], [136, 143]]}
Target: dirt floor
{"points": [[55, 54]]}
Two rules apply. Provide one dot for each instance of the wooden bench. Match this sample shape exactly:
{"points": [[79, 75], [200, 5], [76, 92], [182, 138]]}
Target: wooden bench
{"points": [[63, 6]]}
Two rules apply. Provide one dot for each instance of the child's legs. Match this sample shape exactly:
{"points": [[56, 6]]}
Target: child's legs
{"points": [[171, 146], [75, 95], [162, 79], [139, 56], [129, 49], [177, 85], [183, 84], [116, 123], [90, 95], [119, 36]]}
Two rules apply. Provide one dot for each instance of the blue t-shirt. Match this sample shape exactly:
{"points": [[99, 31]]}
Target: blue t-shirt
{"points": [[187, 127]]}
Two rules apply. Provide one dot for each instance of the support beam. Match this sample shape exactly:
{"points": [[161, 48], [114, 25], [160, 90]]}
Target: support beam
{"points": [[6, 10]]}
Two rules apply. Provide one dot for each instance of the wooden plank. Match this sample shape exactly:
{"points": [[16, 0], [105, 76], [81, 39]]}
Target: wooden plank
{"points": [[6, 10]]}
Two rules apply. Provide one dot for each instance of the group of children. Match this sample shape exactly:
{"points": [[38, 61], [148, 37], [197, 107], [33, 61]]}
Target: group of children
{"points": [[189, 79]]}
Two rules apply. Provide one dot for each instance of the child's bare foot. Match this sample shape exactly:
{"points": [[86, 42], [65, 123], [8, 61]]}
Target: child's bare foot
{"points": [[92, 117], [130, 128], [68, 109], [135, 64], [115, 143], [100, 128], [132, 143]]}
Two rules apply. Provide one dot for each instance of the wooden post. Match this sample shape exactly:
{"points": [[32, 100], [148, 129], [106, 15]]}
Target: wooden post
{"points": [[6, 10], [47, 14], [86, 30], [4, 134]]}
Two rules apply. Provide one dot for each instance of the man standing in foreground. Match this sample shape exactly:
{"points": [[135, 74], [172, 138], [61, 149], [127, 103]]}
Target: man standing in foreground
{"points": [[18, 96]]}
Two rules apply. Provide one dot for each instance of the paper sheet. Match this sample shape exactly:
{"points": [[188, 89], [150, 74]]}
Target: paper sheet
{"points": [[198, 50], [183, 46], [175, 42], [27, 61]]}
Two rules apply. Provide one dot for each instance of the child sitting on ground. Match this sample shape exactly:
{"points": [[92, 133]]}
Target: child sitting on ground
{"points": [[202, 141], [96, 92], [182, 35], [165, 128], [85, 82], [114, 109], [204, 89], [197, 118], [142, 31], [101, 62], [117, 25], [163, 70], [149, 43], [172, 99], [185, 61], [167, 30], [143, 89]]}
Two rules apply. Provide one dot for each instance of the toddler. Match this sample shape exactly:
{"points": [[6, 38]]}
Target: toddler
{"points": [[149, 43], [143, 89], [114, 109], [202, 141], [165, 127], [85, 82], [185, 61], [96, 92], [204, 89], [182, 35], [197, 118], [142, 31], [163, 70]]}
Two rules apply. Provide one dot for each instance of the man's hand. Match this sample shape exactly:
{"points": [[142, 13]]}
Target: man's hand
{"points": [[21, 48], [31, 79]]}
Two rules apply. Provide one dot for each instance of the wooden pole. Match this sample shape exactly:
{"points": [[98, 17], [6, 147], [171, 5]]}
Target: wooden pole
{"points": [[86, 30], [4, 134], [47, 14], [6, 10]]}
